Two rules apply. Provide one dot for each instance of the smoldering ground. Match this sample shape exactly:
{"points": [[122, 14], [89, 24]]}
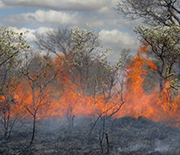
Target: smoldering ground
{"points": [[126, 135]]}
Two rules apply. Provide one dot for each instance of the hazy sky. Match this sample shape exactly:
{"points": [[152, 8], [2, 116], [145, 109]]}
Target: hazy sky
{"points": [[41, 15]]}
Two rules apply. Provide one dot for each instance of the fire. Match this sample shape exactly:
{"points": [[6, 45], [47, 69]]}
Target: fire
{"points": [[67, 99], [154, 105]]}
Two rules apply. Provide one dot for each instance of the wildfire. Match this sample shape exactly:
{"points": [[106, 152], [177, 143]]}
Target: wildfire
{"points": [[69, 100], [154, 105]]}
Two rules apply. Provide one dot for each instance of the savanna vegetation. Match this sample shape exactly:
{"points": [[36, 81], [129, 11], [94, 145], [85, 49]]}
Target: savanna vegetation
{"points": [[65, 80]]}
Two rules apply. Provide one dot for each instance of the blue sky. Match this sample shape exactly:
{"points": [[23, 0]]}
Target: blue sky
{"points": [[43, 15]]}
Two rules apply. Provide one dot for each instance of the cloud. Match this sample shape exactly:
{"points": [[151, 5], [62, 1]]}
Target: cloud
{"points": [[30, 34], [2, 5], [99, 13], [116, 32], [114, 39], [41, 18], [117, 41], [73, 5], [52, 18]]}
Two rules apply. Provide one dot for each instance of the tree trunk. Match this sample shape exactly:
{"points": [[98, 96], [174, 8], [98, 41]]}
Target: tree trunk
{"points": [[34, 129], [161, 84]]}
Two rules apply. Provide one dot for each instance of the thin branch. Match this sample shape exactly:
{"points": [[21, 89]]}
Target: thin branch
{"points": [[9, 57]]}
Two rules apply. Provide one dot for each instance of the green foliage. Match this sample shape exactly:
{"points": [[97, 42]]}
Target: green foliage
{"points": [[163, 44], [168, 75], [173, 83], [163, 41], [12, 50], [11, 45], [87, 55], [86, 46]]}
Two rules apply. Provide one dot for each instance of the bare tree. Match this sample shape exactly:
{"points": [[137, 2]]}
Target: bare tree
{"points": [[39, 73], [164, 12], [108, 95], [57, 41], [8, 108]]}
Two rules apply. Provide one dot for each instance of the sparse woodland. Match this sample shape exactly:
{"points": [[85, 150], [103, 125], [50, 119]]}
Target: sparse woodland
{"points": [[62, 96]]}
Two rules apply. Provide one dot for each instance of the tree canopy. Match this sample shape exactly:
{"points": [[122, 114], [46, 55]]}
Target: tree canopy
{"points": [[152, 12], [161, 33]]}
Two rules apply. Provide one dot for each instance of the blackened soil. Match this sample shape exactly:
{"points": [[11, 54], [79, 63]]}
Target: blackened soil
{"points": [[122, 136]]}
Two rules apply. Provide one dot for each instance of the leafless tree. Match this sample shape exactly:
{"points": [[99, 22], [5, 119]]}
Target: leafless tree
{"points": [[39, 73], [111, 91], [57, 41], [164, 12]]}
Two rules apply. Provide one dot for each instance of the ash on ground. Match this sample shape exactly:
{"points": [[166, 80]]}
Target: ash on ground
{"points": [[120, 136]]}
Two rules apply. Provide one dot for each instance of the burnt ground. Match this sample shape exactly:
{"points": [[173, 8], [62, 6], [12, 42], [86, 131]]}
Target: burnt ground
{"points": [[125, 136]]}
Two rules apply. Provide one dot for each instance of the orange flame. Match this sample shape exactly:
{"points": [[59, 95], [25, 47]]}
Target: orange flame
{"points": [[154, 105], [69, 100]]}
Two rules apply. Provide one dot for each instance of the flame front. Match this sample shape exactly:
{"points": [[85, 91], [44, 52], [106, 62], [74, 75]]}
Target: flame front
{"points": [[70, 101]]}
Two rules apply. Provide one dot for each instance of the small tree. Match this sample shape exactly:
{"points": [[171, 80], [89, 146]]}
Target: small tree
{"points": [[86, 53], [163, 39], [12, 50], [163, 47], [80, 48], [108, 97], [39, 73]]}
